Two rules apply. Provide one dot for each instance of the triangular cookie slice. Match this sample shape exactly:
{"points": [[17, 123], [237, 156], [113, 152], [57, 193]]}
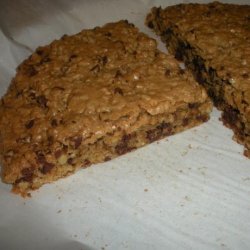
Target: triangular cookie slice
{"points": [[214, 41], [88, 98]]}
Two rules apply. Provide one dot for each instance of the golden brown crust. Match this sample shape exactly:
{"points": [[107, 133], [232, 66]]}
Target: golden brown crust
{"points": [[213, 40], [81, 90]]}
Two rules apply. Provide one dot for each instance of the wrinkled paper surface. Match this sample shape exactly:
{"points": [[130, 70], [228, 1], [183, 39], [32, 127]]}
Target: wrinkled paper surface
{"points": [[189, 191]]}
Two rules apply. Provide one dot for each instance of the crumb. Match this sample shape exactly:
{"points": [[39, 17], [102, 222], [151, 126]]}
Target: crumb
{"points": [[184, 153], [187, 198], [87, 234], [59, 211], [145, 190]]}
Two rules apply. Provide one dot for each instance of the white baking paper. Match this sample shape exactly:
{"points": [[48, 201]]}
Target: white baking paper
{"points": [[189, 191]]}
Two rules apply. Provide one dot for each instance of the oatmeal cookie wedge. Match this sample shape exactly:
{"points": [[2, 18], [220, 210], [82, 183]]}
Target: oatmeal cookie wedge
{"points": [[88, 98], [213, 40]]}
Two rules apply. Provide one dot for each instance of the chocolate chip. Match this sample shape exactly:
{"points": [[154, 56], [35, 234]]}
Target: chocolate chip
{"points": [[245, 75], [27, 174], [104, 60], [53, 123], [122, 147], [202, 118], [41, 158], [230, 115], [42, 101], [108, 34], [127, 138], [40, 52], [199, 78], [212, 6], [212, 73], [199, 69], [50, 140], [179, 54], [118, 73], [107, 158], [118, 90], [167, 72], [73, 56], [153, 135], [164, 129], [216, 99], [185, 122], [31, 71], [87, 162], [29, 124], [163, 125], [19, 93], [168, 31], [193, 105], [58, 153], [77, 141], [246, 153], [198, 63], [64, 36], [181, 50], [46, 168], [27, 171], [150, 25], [181, 72], [192, 31], [32, 96], [70, 161]]}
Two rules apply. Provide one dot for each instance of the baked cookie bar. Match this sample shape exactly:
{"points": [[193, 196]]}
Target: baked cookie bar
{"points": [[213, 40], [88, 98]]}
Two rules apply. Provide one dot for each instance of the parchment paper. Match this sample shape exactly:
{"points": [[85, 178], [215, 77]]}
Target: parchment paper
{"points": [[190, 191]]}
